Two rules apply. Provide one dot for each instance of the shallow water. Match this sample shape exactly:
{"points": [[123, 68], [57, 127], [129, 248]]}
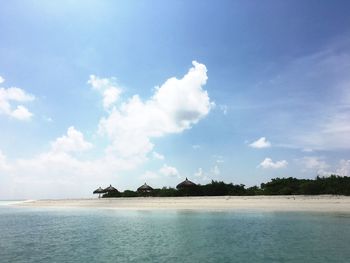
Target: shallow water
{"points": [[97, 235]]}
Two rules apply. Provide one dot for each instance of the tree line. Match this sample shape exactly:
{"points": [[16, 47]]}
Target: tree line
{"points": [[334, 185]]}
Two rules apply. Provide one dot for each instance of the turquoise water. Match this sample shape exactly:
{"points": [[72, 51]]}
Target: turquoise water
{"points": [[82, 235]]}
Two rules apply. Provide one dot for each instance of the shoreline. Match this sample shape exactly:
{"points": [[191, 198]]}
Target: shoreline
{"points": [[317, 203]]}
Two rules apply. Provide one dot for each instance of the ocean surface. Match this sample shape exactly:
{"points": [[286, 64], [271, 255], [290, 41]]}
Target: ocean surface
{"points": [[102, 235]]}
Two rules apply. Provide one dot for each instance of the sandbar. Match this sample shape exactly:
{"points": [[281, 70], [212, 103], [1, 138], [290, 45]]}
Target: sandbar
{"points": [[315, 203]]}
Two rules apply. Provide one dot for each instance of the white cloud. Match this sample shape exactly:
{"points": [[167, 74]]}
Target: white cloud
{"points": [[2, 80], [268, 163], [108, 88], [21, 113], [148, 175], [47, 119], [218, 158], [9, 96], [224, 109], [57, 173], [215, 170], [322, 168], [196, 146], [15, 94], [169, 171], [3, 162], [314, 162], [343, 168], [260, 143], [176, 105], [158, 156], [206, 176], [201, 175], [72, 142]]}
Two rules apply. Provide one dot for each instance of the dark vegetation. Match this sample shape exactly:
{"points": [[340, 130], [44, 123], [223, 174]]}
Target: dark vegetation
{"points": [[335, 185]]}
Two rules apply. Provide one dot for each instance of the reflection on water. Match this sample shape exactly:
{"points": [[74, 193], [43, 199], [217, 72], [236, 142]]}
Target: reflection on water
{"points": [[94, 235]]}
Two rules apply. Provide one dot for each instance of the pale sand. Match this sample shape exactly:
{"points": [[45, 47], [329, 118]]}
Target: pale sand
{"points": [[322, 203]]}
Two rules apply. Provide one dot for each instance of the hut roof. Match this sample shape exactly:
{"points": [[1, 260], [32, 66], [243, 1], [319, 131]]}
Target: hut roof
{"points": [[145, 187], [186, 183], [99, 191], [110, 188]]}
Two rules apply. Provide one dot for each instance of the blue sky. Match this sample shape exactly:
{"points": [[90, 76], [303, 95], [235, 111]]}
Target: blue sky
{"points": [[123, 92]]}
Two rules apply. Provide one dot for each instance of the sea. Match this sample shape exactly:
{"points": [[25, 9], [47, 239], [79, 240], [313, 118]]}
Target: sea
{"points": [[106, 235]]}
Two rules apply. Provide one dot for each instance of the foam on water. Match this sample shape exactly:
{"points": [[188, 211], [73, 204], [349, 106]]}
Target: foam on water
{"points": [[12, 202]]}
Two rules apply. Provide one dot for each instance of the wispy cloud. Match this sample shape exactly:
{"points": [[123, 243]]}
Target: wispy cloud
{"points": [[316, 113], [215, 171], [199, 175], [11, 96], [343, 168], [158, 156], [108, 87], [314, 162], [149, 175], [4, 166], [260, 143], [223, 108], [267, 163], [169, 171], [206, 176]]}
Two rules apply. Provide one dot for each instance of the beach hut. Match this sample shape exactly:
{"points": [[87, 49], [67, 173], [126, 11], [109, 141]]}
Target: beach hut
{"points": [[99, 191], [110, 189], [185, 184], [145, 188]]}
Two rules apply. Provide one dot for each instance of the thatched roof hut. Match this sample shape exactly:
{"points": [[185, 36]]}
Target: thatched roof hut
{"points": [[110, 189], [185, 184], [145, 188], [99, 191]]}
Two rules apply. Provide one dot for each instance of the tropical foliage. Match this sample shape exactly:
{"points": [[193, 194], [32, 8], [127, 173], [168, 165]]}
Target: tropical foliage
{"points": [[334, 185]]}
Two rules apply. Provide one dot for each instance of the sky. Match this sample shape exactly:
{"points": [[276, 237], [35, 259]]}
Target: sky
{"points": [[103, 92]]}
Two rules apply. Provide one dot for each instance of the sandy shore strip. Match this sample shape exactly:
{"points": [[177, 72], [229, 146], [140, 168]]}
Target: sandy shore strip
{"points": [[323, 203]]}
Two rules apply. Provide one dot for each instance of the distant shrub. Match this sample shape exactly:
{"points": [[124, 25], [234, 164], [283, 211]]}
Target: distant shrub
{"points": [[334, 184]]}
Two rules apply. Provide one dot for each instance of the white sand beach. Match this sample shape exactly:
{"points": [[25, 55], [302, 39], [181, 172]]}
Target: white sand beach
{"points": [[322, 203]]}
